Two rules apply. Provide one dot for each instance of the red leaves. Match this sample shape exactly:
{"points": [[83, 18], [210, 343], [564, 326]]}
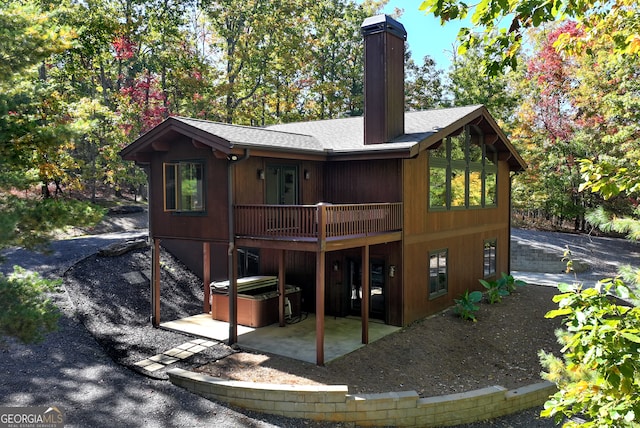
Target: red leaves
{"points": [[124, 47], [146, 103]]}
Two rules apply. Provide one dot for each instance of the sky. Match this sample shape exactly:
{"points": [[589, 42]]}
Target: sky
{"points": [[425, 35]]}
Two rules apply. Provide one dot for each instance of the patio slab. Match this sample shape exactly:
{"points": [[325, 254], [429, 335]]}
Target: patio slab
{"points": [[296, 340]]}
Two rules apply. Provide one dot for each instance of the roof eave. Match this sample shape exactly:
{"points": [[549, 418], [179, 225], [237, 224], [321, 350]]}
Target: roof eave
{"points": [[145, 142]]}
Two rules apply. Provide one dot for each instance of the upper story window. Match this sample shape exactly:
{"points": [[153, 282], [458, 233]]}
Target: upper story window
{"points": [[184, 186], [463, 172]]}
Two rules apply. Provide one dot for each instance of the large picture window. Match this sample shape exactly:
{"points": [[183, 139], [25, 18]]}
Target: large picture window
{"points": [[184, 186], [438, 273], [463, 172]]}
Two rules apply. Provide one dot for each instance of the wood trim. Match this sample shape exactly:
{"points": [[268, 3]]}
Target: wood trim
{"points": [[366, 293], [281, 285], [417, 238], [160, 146], [491, 139], [320, 277], [206, 276], [233, 297], [155, 287]]}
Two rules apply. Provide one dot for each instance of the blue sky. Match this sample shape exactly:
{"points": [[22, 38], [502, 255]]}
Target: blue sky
{"points": [[425, 34]]}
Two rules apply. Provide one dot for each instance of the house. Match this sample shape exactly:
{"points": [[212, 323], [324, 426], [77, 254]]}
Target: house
{"points": [[388, 216]]}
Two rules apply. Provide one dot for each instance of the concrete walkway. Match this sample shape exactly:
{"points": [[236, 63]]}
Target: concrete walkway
{"points": [[297, 340]]}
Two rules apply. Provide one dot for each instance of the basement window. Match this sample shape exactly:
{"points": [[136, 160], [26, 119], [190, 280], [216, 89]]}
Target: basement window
{"points": [[490, 258], [184, 186], [438, 273]]}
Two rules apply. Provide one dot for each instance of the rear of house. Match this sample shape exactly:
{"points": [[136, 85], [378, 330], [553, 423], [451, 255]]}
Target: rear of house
{"points": [[388, 216]]}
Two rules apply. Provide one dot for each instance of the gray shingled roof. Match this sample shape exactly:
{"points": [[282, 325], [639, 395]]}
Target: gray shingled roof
{"points": [[340, 137], [347, 135], [249, 136]]}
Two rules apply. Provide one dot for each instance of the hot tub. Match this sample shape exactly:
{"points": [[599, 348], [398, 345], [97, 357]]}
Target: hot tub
{"points": [[257, 300]]}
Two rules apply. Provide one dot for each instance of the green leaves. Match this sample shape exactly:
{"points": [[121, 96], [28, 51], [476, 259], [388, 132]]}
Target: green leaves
{"points": [[598, 375], [466, 305], [25, 312]]}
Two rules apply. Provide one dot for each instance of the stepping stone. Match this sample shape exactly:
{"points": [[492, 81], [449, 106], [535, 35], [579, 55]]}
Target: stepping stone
{"points": [[144, 363], [197, 348], [184, 354], [163, 359], [154, 367], [173, 352], [134, 278]]}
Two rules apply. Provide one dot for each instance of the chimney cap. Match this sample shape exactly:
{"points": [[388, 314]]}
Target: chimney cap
{"points": [[382, 23]]}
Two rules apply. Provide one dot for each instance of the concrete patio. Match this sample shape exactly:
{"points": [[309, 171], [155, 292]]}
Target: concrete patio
{"points": [[296, 340]]}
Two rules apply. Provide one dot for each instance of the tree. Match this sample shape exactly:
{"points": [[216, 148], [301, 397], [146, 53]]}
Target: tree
{"points": [[424, 88], [34, 136], [24, 313], [599, 374], [469, 84], [547, 130], [506, 22]]}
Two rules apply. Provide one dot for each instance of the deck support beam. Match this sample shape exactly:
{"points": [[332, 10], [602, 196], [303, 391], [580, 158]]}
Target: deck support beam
{"points": [[320, 267], [281, 286], [155, 283], [206, 276], [233, 295], [366, 293]]}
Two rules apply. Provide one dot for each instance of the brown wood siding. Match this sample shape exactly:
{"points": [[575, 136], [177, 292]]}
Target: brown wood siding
{"points": [[249, 189], [461, 232], [211, 225], [363, 182]]}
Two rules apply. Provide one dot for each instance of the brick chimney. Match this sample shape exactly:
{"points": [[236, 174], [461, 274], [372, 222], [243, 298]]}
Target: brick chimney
{"points": [[383, 78]]}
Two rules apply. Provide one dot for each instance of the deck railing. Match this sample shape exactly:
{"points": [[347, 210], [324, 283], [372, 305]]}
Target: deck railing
{"points": [[317, 221]]}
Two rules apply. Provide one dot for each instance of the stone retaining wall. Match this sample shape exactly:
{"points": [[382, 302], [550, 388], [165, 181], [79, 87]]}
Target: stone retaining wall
{"points": [[526, 257], [334, 403]]}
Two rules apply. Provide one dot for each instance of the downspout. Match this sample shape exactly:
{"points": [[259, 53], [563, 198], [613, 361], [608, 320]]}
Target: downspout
{"points": [[233, 292]]}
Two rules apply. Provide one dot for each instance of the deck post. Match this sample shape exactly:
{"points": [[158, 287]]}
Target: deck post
{"points": [[155, 283], [233, 296], [206, 276], [366, 294], [320, 262], [281, 286]]}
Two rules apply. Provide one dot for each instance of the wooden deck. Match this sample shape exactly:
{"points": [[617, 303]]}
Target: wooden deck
{"points": [[322, 227]]}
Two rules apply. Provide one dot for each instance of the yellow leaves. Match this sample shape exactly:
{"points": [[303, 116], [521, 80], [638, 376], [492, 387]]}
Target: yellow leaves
{"points": [[633, 44]]}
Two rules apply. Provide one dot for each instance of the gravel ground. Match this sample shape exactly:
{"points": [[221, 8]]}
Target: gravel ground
{"points": [[105, 319]]}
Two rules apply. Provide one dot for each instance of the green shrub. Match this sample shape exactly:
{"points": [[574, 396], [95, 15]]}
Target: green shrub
{"points": [[25, 312], [466, 305], [598, 376], [495, 292]]}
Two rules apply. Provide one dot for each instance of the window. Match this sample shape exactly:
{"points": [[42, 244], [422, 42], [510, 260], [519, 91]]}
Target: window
{"points": [[489, 257], [462, 172], [184, 186], [438, 276], [248, 262]]}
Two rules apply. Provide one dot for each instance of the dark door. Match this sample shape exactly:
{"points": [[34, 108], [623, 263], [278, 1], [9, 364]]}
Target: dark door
{"points": [[281, 183], [377, 288]]}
